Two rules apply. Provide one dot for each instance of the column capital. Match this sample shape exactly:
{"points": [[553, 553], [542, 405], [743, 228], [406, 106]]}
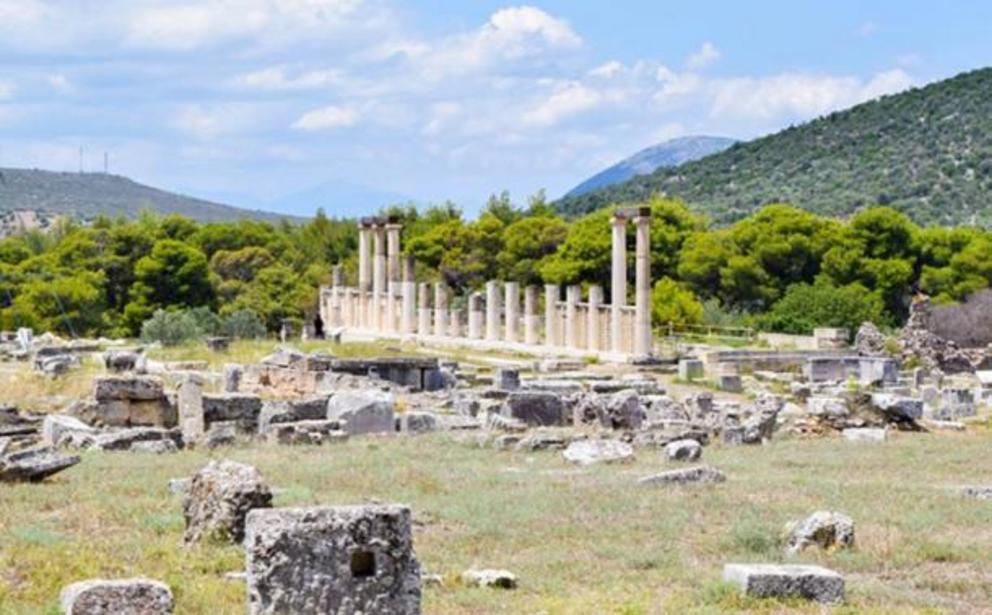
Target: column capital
{"points": [[642, 220], [618, 220]]}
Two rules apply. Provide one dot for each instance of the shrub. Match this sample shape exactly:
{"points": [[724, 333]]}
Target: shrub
{"points": [[807, 306], [170, 328], [969, 324], [208, 322], [243, 324], [673, 303]]}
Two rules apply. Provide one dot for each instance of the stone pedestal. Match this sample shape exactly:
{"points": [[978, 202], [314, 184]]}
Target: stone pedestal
{"points": [[440, 309], [424, 312], [642, 300], [592, 318], [551, 296], [475, 316], [493, 310], [618, 281], [531, 318], [512, 311]]}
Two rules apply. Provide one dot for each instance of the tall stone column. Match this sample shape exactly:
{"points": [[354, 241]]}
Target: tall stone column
{"points": [[440, 309], [592, 318], [530, 315], [364, 271], [455, 323], [573, 294], [378, 277], [551, 295], [642, 286], [424, 313], [408, 323], [512, 302], [618, 281], [493, 309], [393, 273], [475, 316]]}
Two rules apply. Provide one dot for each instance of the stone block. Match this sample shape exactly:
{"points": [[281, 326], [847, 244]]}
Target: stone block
{"points": [[117, 597], [219, 499], [898, 406], [786, 581], [683, 450], [535, 408], [588, 452], [729, 382], [242, 408], [134, 388], [309, 408], [697, 474], [363, 412], [34, 464], [417, 422], [347, 559], [506, 379], [864, 434], [690, 369], [54, 426], [827, 407], [306, 432]]}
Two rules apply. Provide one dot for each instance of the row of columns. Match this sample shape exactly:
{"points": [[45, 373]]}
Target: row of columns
{"points": [[386, 282]]}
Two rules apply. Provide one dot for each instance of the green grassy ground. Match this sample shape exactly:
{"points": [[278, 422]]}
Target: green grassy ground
{"points": [[581, 541]]}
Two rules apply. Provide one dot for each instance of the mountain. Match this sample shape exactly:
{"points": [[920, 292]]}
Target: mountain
{"points": [[926, 152], [670, 153], [87, 195]]}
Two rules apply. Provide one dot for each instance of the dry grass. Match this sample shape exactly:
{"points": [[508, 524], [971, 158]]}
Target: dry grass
{"points": [[582, 541]]}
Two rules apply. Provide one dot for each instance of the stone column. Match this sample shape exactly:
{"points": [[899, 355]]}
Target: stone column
{"points": [[618, 282], [642, 286], [364, 265], [530, 315], [455, 323], [493, 309], [475, 316], [440, 309], [379, 278], [512, 302], [189, 398], [408, 323], [551, 294], [424, 314], [393, 273], [592, 318], [573, 294]]}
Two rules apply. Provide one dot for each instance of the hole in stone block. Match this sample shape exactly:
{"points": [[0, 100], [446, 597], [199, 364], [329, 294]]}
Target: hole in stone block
{"points": [[362, 564]]}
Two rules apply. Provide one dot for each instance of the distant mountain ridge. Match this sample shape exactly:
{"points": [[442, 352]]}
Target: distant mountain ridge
{"points": [[926, 152], [669, 153], [87, 195]]}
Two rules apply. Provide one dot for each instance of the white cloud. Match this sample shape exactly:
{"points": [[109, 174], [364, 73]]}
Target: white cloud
{"points": [[705, 56], [60, 83], [867, 28], [798, 95], [6, 90], [207, 122], [569, 100], [327, 118], [16, 13], [277, 79], [608, 70]]}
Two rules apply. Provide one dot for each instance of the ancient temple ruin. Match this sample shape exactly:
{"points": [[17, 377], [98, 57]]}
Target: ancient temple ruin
{"points": [[389, 303]]}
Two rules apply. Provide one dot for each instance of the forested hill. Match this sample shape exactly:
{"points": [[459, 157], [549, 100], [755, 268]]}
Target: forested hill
{"points": [[86, 195], [926, 152]]}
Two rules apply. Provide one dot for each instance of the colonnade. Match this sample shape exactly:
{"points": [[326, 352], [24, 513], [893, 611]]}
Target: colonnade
{"points": [[389, 301]]}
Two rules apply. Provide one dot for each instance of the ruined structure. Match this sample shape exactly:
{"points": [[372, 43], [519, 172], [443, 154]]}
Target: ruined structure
{"points": [[387, 302]]}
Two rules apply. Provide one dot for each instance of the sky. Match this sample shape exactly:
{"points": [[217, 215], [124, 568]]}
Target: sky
{"points": [[253, 101]]}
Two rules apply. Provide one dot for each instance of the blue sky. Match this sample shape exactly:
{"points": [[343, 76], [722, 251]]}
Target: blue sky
{"points": [[251, 101]]}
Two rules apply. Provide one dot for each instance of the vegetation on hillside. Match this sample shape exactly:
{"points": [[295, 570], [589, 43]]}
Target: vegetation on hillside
{"points": [[782, 268], [926, 152]]}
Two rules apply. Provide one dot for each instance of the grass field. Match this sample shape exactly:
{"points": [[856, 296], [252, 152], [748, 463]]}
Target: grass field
{"points": [[580, 540]]}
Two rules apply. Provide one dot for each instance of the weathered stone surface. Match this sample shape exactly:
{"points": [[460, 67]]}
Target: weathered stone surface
{"points": [[869, 341], [825, 529], [363, 412], [588, 452], [697, 474], [348, 559], [243, 408], [221, 433], [179, 486], [506, 379], [501, 579], [117, 597], [786, 581], [417, 422], [690, 369], [124, 439], [558, 387], [827, 407], [623, 411], [535, 408], [864, 434], [683, 450], [643, 386], [898, 406], [978, 492], [133, 388], [504, 423], [189, 402], [233, 373], [284, 357], [157, 447], [218, 500], [56, 365], [119, 361], [306, 432], [541, 441], [730, 383], [34, 464], [307, 408], [218, 344], [54, 426]]}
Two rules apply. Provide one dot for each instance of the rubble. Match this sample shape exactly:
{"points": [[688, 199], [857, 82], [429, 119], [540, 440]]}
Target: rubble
{"points": [[501, 579], [219, 498], [697, 474], [123, 597], [588, 452], [33, 465], [825, 529]]}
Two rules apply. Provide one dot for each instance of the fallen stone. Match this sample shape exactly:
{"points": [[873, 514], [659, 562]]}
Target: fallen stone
{"points": [[242, 408], [683, 450], [541, 441], [218, 500], [417, 422], [156, 447], [588, 452], [33, 465], [307, 432], [535, 408], [54, 426], [124, 439], [347, 559], [698, 474], [119, 597], [233, 373], [864, 434], [978, 492], [223, 433], [363, 412], [309, 408], [179, 486], [128, 388], [786, 581], [827, 407], [690, 369], [898, 406], [505, 423], [506, 379], [828, 530], [119, 361], [501, 579], [623, 410], [284, 357]]}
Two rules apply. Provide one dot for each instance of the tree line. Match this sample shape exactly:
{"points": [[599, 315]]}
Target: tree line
{"points": [[781, 268]]}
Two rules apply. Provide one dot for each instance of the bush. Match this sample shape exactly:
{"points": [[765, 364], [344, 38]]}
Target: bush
{"points": [[805, 307], [673, 303], [170, 328], [969, 324], [208, 322], [243, 324]]}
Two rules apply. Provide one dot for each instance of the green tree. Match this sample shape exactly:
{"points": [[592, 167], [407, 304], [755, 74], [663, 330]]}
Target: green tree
{"points": [[807, 306], [173, 276], [672, 303]]}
